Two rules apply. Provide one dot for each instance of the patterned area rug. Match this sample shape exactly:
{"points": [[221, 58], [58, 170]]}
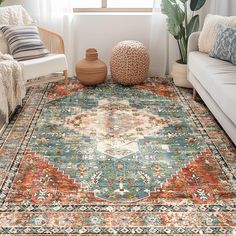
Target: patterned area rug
{"points": [[116, 160]]}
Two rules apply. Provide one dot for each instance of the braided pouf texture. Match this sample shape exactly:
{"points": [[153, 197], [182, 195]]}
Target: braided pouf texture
{"points": [[129, 63]]}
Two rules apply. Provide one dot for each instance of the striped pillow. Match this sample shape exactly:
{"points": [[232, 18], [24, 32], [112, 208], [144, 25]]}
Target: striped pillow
{"points": [[24, 42]]}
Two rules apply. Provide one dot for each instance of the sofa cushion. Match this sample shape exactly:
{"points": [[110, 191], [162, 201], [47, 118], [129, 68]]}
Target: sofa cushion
{"points": [[225, 44], [24, 42], [218, 78], [210, 29], [43, 66]]}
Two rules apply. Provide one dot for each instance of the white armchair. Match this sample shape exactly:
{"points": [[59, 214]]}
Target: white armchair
{"points": [[50, 68], [40, 70], [45, 69]]}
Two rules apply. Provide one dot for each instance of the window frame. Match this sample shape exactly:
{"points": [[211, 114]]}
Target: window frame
{"points": [[104, 8]]}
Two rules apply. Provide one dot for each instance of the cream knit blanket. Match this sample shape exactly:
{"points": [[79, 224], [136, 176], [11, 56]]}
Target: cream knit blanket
{"points": [[14, 15], [12, 87]]}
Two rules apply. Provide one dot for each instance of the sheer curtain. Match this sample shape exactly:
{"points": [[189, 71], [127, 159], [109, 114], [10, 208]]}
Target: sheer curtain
{"points": [[56, 15], [222, 7], [52, 14], [163, 47]]}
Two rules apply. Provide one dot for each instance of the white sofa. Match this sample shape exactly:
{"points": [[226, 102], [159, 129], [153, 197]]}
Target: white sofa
{"points": [[215, 82]]}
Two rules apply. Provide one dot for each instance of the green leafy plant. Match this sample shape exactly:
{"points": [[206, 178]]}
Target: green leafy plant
{"points": [[181, 22], [1, 1]]}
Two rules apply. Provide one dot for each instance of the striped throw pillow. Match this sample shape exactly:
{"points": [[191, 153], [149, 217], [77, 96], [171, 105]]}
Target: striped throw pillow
{"points": [[24, 42]]}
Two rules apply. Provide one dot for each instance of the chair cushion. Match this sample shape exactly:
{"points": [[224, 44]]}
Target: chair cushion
{"points": [[32, 69], [24, 42], [218, 78]]}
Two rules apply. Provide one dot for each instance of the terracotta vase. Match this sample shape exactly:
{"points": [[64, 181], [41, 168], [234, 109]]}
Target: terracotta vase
{"points": [[179, 74], [91, 70]]}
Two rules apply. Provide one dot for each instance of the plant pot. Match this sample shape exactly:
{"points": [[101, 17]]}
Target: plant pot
{"points": [[179, 74], [91, 70]]}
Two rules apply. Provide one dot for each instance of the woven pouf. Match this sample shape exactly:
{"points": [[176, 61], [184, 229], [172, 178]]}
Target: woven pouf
{"points": [[129, 63]]}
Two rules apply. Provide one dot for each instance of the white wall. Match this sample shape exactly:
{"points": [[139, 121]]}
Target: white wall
{"points": [[103, 32]]}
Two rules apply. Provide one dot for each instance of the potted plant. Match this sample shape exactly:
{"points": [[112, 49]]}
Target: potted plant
{"points": [[181, 23]]}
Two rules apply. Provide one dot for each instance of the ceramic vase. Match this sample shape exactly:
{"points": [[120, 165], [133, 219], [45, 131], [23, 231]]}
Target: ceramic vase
{"points": [[91, 70], [179, 74]]}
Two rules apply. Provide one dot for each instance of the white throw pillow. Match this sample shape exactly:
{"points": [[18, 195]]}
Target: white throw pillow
{"points": [[210, 29]]}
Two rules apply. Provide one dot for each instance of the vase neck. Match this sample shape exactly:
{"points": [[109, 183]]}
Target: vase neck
{"points": [[91, 54]]}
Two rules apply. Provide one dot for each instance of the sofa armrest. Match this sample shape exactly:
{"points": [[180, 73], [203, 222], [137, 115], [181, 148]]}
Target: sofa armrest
{"points": [[193, 42], [53, 41]]}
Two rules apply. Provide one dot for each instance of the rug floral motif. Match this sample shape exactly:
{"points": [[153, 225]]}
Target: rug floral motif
{"points": [[112, 159]]}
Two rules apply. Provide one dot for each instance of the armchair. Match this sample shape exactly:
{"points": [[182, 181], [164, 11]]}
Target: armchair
{"points": [[45, 69], [40, 70], [50, 68]]}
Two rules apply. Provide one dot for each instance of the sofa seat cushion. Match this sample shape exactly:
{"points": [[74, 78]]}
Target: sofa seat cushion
{"points": [[43, 66], [218, 78]]}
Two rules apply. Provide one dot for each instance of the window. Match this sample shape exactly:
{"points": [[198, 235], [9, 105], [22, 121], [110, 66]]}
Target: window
{"points": [[112, 5]]}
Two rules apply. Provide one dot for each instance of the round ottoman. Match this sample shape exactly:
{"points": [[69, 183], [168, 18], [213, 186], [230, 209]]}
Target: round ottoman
{"points": [[129, 63]]}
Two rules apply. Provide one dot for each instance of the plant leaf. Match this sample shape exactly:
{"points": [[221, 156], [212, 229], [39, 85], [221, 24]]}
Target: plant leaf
{"points": [[196, 4], [193, 25], [183, 1], [175, 17]]}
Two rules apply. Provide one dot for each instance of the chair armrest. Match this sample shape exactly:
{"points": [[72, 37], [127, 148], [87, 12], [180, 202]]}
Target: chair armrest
{"points": [[53, 41], [193, 42]]}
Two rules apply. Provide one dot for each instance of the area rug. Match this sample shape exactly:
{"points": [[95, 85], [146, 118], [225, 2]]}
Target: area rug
{"points": [[112, 159]]}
